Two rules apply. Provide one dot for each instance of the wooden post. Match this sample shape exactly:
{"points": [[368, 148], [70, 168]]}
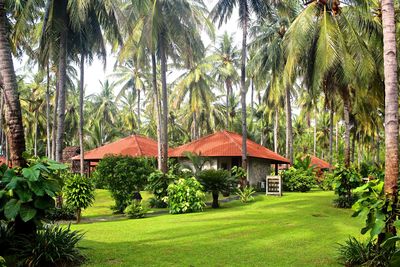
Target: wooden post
{"points": [[276, 169]]}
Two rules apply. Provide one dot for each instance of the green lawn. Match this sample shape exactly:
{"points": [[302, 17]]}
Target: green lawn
{"points": [[298, 229]]}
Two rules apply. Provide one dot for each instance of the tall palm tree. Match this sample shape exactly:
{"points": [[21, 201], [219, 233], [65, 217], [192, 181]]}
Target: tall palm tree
{"points": [[221, 12], [8, 82], [391, 107]]}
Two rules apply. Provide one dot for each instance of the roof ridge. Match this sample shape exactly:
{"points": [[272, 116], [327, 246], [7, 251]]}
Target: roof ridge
{"points": [[233, 140], [139, 148]]}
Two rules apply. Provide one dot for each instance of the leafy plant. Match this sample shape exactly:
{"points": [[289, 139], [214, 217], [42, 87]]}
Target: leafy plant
{"points": [[346, 179], [300, 177], [135, 210], [239, 174], [79, 193], [66, 213], [26, 194], [216, 181], [185, 195], [125, 177], [246, 194], [326, 183], [53, 246], [2, 262], [158, 183], [197, 162], [6, 237]]}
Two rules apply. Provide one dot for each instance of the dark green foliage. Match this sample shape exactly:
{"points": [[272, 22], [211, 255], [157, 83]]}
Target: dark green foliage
{"points": [[346, 179], [246, 194], [326, 183], [158, 183], [215, 182], [53, 246], [78, 193], [300, 177], [6, 237], [65, 213], [185, 195], [358, 253], [25, 194], [135, 210], [2, 262], [124, 176]]}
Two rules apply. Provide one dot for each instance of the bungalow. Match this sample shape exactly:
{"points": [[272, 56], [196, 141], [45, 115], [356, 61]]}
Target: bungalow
{"points": [[224, 150], [320, 164], [134, 146]]}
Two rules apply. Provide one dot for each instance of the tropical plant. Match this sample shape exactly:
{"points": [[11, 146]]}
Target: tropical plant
{"points": [[300, 177], [346, 179], [185, 196], [215, 182], [53, 245], [246, 194], [125, 177], [78, 193], [158, 183], [65, 213], [135, 210]]}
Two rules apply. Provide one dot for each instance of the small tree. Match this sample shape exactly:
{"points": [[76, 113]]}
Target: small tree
{"points": [[216, 181], [79, 194], [125, 177]]}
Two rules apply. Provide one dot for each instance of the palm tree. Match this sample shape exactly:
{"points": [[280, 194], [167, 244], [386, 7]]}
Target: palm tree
{"points": [[391, 107], [222, 12], [8, 82]]}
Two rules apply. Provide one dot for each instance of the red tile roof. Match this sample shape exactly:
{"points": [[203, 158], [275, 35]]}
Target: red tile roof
{"points": [[319, 163], [226, 144], [134, 145]]}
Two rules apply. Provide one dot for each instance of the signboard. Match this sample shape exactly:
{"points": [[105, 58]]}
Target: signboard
{"points": [[273, 185]]}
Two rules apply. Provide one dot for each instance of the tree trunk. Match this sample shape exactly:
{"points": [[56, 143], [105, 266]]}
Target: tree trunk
{"points": [[378, 142], [337, 140], [228, 93], [252, 98], [276, 128], [331, 133], [243, 91], [164, 97], [81, 118], [35, 134], [215, 203], [55, 111], [194, 133], [78, 215], [346, 107], [157, 106], [289, 130], [62, 65], [315, 133], [13, 115], [48, 112], [2, 133], [138, 109], [391, 108]]}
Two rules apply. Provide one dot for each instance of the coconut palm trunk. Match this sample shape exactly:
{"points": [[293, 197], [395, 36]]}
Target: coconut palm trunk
{"points": [[331, 133], [138, 109], [276, 127], [62, 77], [164, 100], [157, 107], [54, 130], [315, 133], [13, 115], [81, 117], [228, 92], [391, 108], [346, 108], [289, 129], [243, 92], [48, 112]]}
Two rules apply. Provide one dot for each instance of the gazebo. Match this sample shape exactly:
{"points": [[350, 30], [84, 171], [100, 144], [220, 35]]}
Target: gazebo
{"points": [[224, 150], [134, 146]]}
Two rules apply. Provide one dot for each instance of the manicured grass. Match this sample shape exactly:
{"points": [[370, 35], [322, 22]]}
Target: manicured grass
{"points": [[298, 229]]}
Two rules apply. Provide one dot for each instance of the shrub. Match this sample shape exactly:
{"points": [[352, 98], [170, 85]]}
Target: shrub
{"points": [[357, 253], [2, 262], [300, 177], [346, 179], [26, 194], [135, 210], [65, 213], [79, 193], [53, 246], [124, 176], [216, 181], [158, 183], [326, 183], [6, 237], [246, 194], [185, 195], [240, 175]]}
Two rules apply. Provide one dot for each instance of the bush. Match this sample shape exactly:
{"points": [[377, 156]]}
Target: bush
{"points": [[358, 253], [346, 179], [26, 194], [79, 193], [300, 177], [326, 183], [53, 246], [135, 210], [158, 183], [6, 237], [216, 181], [65, 213], [185, 195], [125, 177], [246, 194]]}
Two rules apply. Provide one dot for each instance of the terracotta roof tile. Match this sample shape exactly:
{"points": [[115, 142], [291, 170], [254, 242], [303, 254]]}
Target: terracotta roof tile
{"points": [[319, 163], [226, 144], [134, 145]]}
